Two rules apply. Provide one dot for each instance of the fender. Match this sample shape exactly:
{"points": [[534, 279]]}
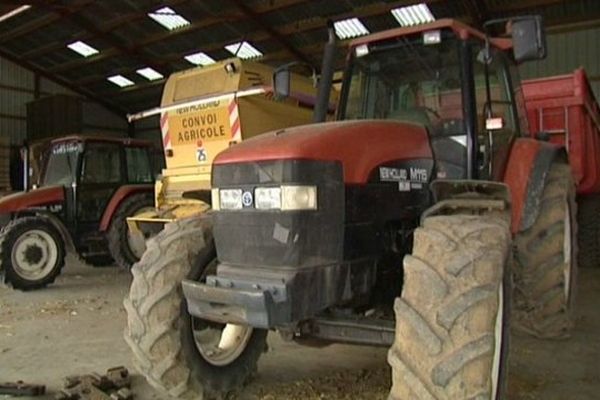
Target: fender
{"points": [[528, 166], [41, 197], [56, 222], [120, 195]]}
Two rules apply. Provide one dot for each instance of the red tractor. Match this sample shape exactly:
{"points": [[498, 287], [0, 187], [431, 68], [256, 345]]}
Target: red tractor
{"points": [[395, 225], [88, 187]]}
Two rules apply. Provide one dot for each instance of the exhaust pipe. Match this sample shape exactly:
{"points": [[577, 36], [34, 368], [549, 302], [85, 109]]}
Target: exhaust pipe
{"points": [[25, 157], [324, 89]]}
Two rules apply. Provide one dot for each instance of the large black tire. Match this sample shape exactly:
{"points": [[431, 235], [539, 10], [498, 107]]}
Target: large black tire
{"points": [[159, 328], [588, 220], [452, 319], [546, 255], [32, 253], [118, 236]]}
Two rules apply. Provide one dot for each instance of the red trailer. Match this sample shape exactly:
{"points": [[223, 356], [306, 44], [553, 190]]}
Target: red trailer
{"points": [[563, 109]]}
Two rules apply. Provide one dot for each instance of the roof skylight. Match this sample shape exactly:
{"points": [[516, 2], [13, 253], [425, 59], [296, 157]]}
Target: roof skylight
{"points": [[82, 48], [413, 15], [168, 18], [120, 80], [243, 50], [350, 28], [200, 58], [14, 12], [150, 74]]}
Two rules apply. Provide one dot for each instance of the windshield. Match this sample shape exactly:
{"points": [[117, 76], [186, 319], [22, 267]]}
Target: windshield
{"points": [[61, 164], [403, 79]]}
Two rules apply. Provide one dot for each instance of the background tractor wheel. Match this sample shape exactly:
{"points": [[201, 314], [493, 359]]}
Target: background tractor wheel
{"points": [[452, 319], [121, 245], [182, 356], [32, 253], [545, 274], [588, 219]]}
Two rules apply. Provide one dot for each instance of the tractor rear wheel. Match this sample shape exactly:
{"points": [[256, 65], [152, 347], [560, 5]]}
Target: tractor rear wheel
{"points": [[452, 318], [546, 255], [183, 356], [588, 219], [32, 253], [123, 248]]}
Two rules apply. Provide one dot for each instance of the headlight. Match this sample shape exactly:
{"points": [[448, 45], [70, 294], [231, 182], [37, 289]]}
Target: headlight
{"points": [[298, 197], [214, 199], [267, 198], [285, 198], [230, 199]]}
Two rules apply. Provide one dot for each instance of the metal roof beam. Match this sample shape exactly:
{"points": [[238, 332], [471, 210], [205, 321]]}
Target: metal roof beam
{"points": [[87, 25], [286, 30], [109, 27], [285, 43], [195, 26], [515, 6], [44, 21], [477, 11]]}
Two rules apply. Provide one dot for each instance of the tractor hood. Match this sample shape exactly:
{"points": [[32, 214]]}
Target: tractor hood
{"points": [[360, 145], [34, 198]]}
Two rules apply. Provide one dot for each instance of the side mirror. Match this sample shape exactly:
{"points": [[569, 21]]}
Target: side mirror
{"points": [[281, 82], [529, 39]]}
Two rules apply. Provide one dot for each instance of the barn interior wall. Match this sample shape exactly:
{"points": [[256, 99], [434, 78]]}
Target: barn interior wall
{"points": [[568, 51], [17, 88]]}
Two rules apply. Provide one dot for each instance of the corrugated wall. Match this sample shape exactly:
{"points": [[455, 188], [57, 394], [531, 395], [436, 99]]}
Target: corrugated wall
{"points": [[566, 52], [17, 89]]}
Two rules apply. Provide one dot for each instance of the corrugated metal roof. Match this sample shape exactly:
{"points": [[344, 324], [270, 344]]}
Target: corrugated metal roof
{"points": [[282, 29]]}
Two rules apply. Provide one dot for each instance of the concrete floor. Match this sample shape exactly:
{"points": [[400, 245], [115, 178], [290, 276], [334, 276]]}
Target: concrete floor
{"points": [[76, 325]]}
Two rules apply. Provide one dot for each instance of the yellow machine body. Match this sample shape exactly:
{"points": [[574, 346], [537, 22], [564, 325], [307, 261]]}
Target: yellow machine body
{"points": [[235, 102]]}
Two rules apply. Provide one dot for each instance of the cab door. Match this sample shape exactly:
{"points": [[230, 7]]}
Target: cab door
{"points": [[497, 122], [102, 173]]}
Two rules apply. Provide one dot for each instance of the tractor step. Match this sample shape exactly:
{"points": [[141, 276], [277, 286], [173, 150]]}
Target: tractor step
{"points": [[363, 331]]}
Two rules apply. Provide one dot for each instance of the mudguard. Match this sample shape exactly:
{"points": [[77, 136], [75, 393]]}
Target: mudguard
{"points": [[528, 166], [120, 195]]}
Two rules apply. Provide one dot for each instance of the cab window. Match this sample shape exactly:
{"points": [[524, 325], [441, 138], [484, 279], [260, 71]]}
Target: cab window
{"points": [[101, 163], [139, 166]]}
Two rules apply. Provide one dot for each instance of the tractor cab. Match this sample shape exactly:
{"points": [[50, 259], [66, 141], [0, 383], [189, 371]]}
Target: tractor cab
{"points": [[458, 84], [408, 82]]}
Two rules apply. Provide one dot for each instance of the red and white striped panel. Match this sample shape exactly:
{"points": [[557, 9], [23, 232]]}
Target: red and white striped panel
{"points": [[234, 121], [164, 129]]}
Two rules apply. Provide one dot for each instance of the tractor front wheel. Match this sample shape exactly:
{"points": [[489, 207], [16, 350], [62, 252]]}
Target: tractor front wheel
{"points": [[180, 355], [32, 253], [546, 270], [452, 318]]}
